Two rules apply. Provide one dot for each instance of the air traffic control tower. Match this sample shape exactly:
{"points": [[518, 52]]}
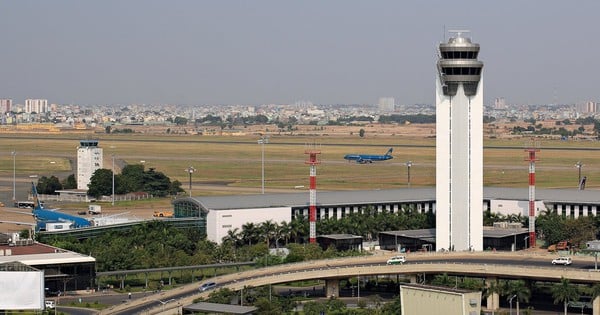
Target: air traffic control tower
{"points": [[459, 145]]}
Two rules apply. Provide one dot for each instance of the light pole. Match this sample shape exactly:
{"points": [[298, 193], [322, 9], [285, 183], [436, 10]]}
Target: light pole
{"points": [[14, 154], [408, 165], [579, 166], [113, 179], [262, 141], [191, 171], [510, 302]]}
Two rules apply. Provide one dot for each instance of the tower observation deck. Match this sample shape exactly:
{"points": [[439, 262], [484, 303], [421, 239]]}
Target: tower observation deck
{"points": [[458, 64]]}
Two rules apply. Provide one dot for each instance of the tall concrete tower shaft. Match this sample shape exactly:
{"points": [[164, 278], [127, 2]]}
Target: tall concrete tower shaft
{"points": [[459, 146]]}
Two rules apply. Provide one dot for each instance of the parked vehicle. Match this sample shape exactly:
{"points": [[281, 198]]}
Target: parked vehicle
{"points": [[94, 209], [163, 214], [396, 260], [562, 261]]}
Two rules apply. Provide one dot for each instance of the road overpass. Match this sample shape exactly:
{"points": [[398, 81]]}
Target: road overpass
{"points": [[526, 266]]}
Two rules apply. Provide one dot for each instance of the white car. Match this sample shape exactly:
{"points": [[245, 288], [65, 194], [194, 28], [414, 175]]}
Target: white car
{"points": [[49, 304], [562, 261], [396, 260]]}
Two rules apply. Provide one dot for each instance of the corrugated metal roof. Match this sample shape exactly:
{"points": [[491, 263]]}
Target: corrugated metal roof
{"points": [[357, 197], [46, 259]]}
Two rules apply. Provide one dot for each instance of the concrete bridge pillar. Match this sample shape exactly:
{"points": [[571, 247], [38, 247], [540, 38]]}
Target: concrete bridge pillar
{"points": [[596, 306], [332, 288], [413, 278], [493, 300]]}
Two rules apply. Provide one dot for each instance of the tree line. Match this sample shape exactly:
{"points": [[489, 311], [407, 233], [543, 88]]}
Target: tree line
{"points": [[133, 178]]}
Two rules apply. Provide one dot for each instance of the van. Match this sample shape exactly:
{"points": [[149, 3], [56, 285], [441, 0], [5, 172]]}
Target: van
{"points": [[562, 261], [396, 260]]}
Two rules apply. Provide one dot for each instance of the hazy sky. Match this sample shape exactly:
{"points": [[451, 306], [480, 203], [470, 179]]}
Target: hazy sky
{"points": [[263, 52]]}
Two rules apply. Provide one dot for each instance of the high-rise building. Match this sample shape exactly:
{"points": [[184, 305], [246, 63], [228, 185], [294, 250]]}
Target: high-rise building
{"points": [[386, 104], [5, 105], [36, 106], [500, 103], [89, 159], [459, 146], [587, 107]]}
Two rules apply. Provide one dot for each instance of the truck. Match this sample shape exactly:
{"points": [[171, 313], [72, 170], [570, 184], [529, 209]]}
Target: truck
{"points": [[94, 209], [163, 214]]}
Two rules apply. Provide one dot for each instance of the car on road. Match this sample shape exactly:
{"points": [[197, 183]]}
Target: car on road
{"points": [[207, 286], [562, 261], [396, 260]]}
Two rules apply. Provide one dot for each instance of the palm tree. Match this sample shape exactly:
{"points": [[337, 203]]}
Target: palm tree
{"points": [[268, 230], [520, 290], [493, 289], [564, 292], [249, 233], [595, 293], [284, 232], [233, 237]]}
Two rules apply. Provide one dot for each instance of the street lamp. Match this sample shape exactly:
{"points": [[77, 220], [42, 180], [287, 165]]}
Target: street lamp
{"points": [[408, 165], [510, 302], [262, 141], [14, 154], [113, 179], [191, 171], [579, 166]]}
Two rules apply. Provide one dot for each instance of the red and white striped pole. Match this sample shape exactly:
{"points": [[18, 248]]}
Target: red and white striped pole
{"points": [[531, 158], [312, 208]]}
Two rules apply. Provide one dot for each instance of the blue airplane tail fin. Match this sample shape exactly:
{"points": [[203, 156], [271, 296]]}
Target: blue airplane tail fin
{"points": [[389, 152], [36, 200]]}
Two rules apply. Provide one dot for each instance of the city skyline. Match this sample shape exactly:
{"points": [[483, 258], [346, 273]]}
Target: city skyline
{"points": [[269, 52]]}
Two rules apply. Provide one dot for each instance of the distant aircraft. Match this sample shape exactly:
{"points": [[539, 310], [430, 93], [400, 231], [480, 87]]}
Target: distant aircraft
{"points": [[44, 216], [369, 158]]}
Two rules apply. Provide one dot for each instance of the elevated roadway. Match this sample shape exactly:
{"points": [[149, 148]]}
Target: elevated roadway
{"points": [[527, 266]]}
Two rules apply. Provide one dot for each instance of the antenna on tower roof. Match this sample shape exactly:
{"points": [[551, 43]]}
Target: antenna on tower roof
{"points": [[459, 32]]}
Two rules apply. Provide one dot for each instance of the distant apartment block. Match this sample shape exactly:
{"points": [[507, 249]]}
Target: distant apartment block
{"points": [[500, 103], [89, 159], [36, 106], [386, 104], [587, 107], [5, 105]]}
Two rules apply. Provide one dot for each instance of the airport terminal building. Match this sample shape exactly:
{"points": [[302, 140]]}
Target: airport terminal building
{"points": [[219, 214]]}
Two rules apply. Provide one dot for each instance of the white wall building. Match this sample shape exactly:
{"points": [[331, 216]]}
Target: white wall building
{"points": [[387, 104], [459, 146], [36, 106], [223, 221], [89, 159]]}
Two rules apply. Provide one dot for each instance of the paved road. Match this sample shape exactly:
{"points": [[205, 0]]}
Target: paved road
{"points": [[185, 294]]}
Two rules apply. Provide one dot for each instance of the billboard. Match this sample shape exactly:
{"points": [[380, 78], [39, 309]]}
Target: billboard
{"points": [[21, 290]]}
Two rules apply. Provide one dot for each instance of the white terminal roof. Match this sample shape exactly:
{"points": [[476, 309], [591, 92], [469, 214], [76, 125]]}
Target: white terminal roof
{"points": [[48, 258], [357, 197]]}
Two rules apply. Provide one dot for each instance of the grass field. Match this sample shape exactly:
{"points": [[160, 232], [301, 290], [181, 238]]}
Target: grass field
{"points": [[235, 162]]}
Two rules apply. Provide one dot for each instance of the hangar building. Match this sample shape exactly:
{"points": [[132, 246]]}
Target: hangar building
{"points": [[219, 214]]}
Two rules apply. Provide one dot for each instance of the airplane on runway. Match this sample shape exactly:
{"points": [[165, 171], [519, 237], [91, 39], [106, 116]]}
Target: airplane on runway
{"points": [[369, 158]]}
